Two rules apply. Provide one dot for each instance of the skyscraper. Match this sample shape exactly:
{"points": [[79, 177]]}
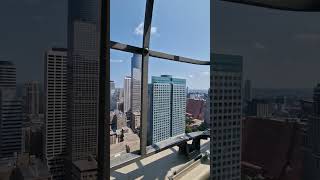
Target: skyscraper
{"points": [[127, 94], [312, 147], [10, 112], [7, 75], [55, 86], [167, 109], [113, 100], [83, 81], [31, 98], [225, 98], [247, 91], [136, 65]]}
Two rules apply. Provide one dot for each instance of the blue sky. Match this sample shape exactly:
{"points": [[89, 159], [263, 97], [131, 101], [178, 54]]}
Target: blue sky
{"points": [[179, 27]]}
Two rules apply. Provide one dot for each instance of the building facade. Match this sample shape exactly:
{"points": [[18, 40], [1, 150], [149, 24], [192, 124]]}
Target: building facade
{"points": [[136, 65], [83, 80], [32, 98], [127, 94], [225, 116], [10, 112], [312, 147], [55, 87], [113, 101], [167, 110]]}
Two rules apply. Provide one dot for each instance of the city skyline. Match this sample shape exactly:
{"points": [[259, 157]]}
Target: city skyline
{"points": [[217, 89]]}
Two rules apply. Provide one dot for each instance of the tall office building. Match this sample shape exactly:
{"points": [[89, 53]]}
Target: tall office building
{"points": [[167, 109], [226, 101], [55, 87], [127, 94], [112, 87], [83, 83], [7, 75], [10, 112], [247, 91], [31, 98], [113, 100], [312, 147], [136, 66]]}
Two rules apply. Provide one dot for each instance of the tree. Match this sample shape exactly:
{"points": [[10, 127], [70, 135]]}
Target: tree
{"points": [[188, 129]]}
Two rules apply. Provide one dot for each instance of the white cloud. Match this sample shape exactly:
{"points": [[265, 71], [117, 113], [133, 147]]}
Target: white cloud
{"points": [[190, 76], [116, 60], [139, 29]]}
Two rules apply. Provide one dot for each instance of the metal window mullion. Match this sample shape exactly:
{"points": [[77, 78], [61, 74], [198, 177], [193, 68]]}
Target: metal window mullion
{"points": [[104, 90], [125, 47], [156, 54], [177, 58], [144, 74]]}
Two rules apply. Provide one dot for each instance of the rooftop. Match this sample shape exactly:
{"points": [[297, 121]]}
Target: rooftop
{"points": [[273, 146], [161, 165], [86, 165]]}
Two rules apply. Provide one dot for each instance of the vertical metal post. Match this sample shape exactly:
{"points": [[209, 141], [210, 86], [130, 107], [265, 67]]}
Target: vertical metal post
{"points": [[144, 74], [212, 33], [104, 92]]}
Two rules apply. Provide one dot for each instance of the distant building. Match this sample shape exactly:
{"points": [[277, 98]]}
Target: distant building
{"points": [[207, 110], [136, 65], [10, 112], [135, 121], [120, 106], [271, 149], [167, 109], [7, 167], [32, 139], [312, 146], [306, 108], [30, 168], [226, 113], [32, 98], [113, 100], [118, 120], [7, 75], [123, 141], [196, 108], [10, 125], [127, 94], [86, 169], [247, 91], [55, 130], [259, 108]]}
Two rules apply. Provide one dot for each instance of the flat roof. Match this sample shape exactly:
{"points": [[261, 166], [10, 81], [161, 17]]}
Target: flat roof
{"points": [[158, 166]]}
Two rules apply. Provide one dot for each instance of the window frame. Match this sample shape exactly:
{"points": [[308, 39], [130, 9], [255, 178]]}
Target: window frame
{"points": [[104, 165]]}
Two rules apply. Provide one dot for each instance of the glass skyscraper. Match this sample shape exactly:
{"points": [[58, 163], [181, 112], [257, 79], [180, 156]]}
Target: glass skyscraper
{"points": [[136, 65], [10, 112], [167, 108], [83, 83]]}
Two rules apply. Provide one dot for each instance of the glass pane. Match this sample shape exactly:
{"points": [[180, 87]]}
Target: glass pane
{"points": [[125, 96], [33, 80], [170, 118], [192, 97], [280, 92], [126, 21], [181, 28]]}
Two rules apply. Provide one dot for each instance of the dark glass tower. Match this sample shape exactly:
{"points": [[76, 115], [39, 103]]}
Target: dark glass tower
{"points": [[83, 81]]}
